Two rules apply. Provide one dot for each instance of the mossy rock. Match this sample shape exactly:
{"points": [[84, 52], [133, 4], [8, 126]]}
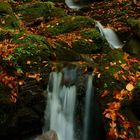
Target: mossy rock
{"points": [[109, 65], [69, 24], [7, 17], [64, 53], [85, 47], [31, 11], [114, 55], [62, 1], [5, 34], [33, 48], [92, 42], [135, 24], [133, 46]]}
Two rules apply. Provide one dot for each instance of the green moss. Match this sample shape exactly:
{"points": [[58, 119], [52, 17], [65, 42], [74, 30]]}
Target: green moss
{"points": [[91, 34], [5, 8], [135, 67], [64, 53], [84, 46], [69, 24], [8, 19], [115, 56], [133, 22], [33, 48], [4, 34], [93, 42], [31, 11]]}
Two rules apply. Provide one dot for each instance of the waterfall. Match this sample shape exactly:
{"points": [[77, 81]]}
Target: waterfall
{"points": [[61, 105], [62, 102], [89, 92], [72, 5], [110, 36]]}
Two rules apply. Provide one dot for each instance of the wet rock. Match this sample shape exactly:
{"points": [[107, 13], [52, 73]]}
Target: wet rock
{"points": [[50, 135], [25, 118], [135, 104], [132, 46], [135, 24]]}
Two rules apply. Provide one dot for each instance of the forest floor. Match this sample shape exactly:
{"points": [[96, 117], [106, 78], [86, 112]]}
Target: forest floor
{"points": [[111, 14]]}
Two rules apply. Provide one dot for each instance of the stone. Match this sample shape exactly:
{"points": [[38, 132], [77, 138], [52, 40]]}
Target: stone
{"points": [[45, 10], [49, 135], [135, 24], [132, 46]]}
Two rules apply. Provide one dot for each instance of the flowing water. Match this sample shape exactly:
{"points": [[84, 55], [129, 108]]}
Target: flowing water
{"points": [[72, 5], [61, 101], [89, 92], [110, 36], [61, 104]]}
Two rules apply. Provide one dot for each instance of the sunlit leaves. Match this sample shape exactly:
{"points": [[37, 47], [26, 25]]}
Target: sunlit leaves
{"points": [[129, 87]]}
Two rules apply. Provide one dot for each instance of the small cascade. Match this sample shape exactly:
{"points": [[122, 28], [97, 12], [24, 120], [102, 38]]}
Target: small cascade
{"points": [[72, 5], [61, 105], [110, 36], [71, 94], [89, 92]]}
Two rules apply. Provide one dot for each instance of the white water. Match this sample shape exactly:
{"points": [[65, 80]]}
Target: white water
{"points": [[61, 104], [110, 36], [72, 5], [89, 92]]}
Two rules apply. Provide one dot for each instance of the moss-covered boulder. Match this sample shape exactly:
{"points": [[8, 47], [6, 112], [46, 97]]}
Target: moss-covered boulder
{"points": [[30, 12], [132, 46], [31, 52], [91, 42], [64, 53], [7, 17], [68, 24], [109, 66], [135, 24]]}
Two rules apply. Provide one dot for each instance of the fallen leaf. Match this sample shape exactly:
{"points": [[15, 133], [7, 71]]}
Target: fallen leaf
{"points": [[129, 87]]}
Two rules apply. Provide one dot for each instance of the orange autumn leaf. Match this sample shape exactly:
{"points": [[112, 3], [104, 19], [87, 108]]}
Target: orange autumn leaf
{"points": [[116, 76], [112, 134], [113, 124], [114, 105], [129, 87], [110, 114], [105, 93], [120, 95], [126, 124]]}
